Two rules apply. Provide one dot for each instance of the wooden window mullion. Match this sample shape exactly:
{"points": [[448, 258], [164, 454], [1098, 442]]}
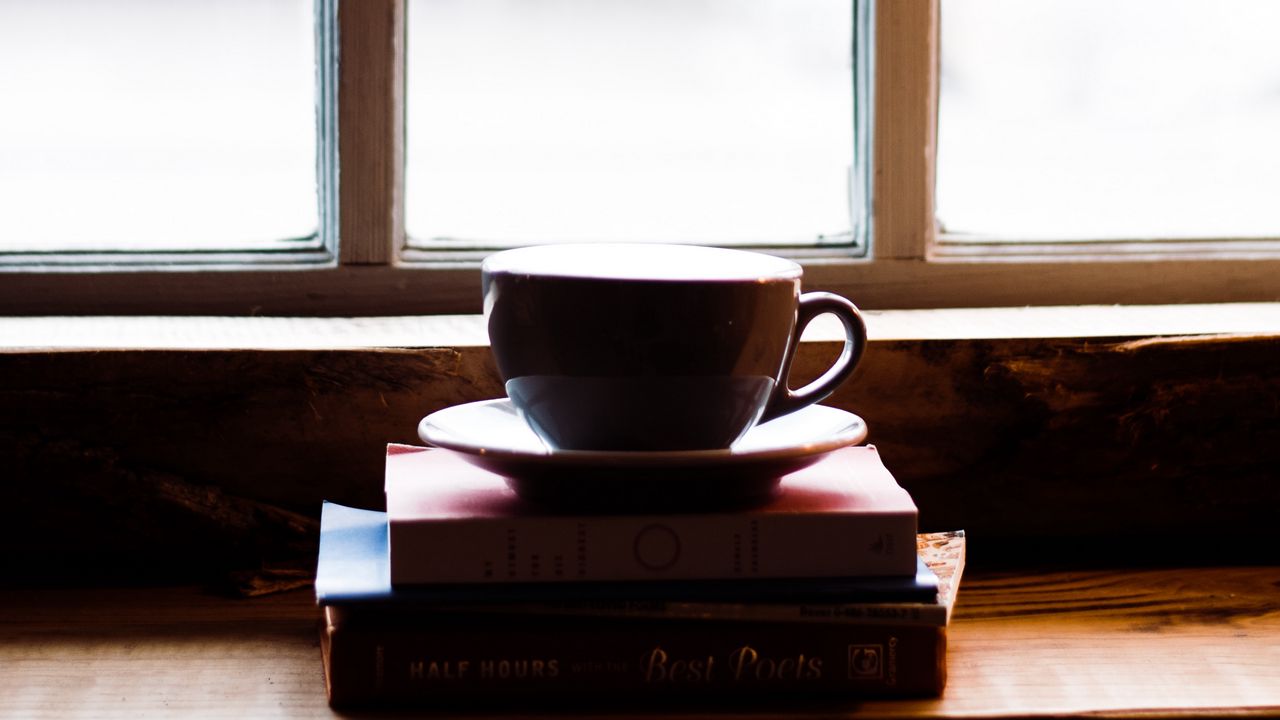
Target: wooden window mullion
{"points": [[906, 122], [371, 130]]}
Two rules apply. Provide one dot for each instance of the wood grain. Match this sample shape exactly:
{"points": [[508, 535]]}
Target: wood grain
{"points": [[317, 289], [1137, 643], [371, 136], [1122, 643], [199, 463], [906, 112], [162, 462], [27, 334]]}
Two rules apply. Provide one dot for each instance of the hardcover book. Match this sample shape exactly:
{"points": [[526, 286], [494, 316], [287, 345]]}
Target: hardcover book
{"points": [[437, 659], [451, 522], [353, 569], [941, 558], [409, 646]]}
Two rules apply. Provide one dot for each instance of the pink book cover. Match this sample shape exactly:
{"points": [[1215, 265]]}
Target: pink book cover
{"points": [[452, 522]]}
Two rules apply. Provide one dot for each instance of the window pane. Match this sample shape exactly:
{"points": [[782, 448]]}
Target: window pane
{"points": [[1079, 119], [721, 121], [154, 124]]}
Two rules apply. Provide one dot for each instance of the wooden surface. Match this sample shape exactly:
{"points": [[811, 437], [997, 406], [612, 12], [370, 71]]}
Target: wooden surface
{"points": [[1131, 643], [906, 128], [314, 287], [84, 332], [196, 463], [371, 130]]}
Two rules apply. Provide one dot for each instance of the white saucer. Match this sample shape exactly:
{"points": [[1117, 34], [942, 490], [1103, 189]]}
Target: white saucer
{"points": [[492, 435]]}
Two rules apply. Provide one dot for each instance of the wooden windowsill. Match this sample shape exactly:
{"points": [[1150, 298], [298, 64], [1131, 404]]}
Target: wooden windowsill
{"points": [[315, 333], [195, 446], [1099, 426], [1136, 643]]}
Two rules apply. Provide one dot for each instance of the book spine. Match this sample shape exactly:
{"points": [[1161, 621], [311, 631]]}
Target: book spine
{"points": [[903, 613], [475, 662], [631, 548]]}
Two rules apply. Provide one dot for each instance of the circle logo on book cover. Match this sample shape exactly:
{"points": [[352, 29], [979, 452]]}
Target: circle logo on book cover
{"points": [[657, 547]]}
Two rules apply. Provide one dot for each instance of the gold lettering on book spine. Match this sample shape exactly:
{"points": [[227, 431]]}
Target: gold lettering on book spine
{"points": [[454, 670], [659, 667], [891, 665], [519, 668], [747, 665]]}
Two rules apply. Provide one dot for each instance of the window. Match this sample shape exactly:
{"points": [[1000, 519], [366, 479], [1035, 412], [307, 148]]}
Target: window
{"points": [[1080, 121], [389, 244], [156, 126], [719, 122], [916, 265]]}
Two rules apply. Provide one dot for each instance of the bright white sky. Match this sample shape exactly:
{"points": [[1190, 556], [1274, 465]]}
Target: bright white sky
{"points": [[1110, 119], [720, 121], [158, 124]]}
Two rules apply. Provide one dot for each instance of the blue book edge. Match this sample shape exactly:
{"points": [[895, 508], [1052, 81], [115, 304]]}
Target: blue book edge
{"points": [[352, 562]]}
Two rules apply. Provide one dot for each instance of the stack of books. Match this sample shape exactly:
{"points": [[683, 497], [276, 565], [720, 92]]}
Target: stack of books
{"points": [[462, 591]]}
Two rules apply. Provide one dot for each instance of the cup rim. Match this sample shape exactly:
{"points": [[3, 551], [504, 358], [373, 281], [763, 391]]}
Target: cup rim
{"points": [[641, 262]]}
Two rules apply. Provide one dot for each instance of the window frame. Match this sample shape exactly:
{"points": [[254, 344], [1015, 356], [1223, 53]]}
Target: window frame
{"points": [[365, 267]]}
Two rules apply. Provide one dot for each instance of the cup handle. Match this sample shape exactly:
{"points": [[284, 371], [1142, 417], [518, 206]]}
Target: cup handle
{"points": [[785, 400]]}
